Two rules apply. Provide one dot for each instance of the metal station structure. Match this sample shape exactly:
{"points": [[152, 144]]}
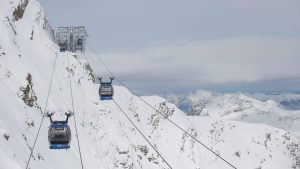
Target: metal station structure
{"points": [[71, 39]]}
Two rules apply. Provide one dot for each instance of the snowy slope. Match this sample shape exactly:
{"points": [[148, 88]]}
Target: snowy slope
{"points": [[107, 139]]}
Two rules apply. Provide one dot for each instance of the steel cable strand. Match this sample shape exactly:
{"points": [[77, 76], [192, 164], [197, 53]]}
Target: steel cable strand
{"points": [[176, 125], [71, 92], [43, 113], [159, 154]]}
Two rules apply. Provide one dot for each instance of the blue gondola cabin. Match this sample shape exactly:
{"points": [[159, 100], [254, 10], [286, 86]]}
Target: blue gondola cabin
{"points": [[59, 134], [106, 90]]}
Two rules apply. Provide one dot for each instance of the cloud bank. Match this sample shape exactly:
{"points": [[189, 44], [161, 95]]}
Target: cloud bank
{"points": [[211, 62]]}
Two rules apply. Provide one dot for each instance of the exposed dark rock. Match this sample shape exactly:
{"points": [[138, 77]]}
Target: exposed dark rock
{"points": [[28, 94], [6, 136], [19, 11], [88, 67], [143, 149]]}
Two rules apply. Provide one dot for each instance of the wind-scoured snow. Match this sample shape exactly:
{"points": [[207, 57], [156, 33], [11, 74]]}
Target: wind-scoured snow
{"points": [[107, 139]]}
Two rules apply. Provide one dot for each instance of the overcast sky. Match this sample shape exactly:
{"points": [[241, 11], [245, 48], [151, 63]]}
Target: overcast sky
{"points": [[181, 45]]}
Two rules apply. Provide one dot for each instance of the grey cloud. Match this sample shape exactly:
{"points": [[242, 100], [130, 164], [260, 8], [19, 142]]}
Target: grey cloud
{"points": [[196, 43], [225, 61]]}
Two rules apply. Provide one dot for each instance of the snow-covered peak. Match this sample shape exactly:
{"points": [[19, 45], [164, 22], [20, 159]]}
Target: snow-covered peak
{"points": [[240, 107]]}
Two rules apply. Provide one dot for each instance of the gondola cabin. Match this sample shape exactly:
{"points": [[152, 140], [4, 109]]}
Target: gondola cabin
{"points": [[79, 45], [106, 90], [62, 46], [59, 133], [79, 42]]}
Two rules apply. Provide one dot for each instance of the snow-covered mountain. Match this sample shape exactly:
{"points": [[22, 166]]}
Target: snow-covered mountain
{"points": [[107, 139], [290, 101], [252, 108]]}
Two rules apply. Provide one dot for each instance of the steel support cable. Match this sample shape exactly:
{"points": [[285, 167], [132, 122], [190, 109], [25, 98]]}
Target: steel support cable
{"points": [[106, 67], [176, 125], [216, 154], [77, 136], [159, 154], [43, 113]]}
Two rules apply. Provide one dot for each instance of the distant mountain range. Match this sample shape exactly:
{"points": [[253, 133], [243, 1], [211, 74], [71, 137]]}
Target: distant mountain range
{"points": [[278, 110]]}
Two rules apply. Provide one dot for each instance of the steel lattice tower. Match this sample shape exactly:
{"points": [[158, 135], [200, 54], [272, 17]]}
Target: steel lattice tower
{"points": [[71, 39]]}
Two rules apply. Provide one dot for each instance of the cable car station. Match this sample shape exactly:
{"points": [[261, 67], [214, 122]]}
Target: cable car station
{"points": [[71, 39]]}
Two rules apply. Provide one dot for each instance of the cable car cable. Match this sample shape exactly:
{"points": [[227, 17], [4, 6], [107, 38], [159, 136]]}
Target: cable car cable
{"points": [[142, 134], [43, 113], [176, 125], [77, 136], [93, 51]]}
